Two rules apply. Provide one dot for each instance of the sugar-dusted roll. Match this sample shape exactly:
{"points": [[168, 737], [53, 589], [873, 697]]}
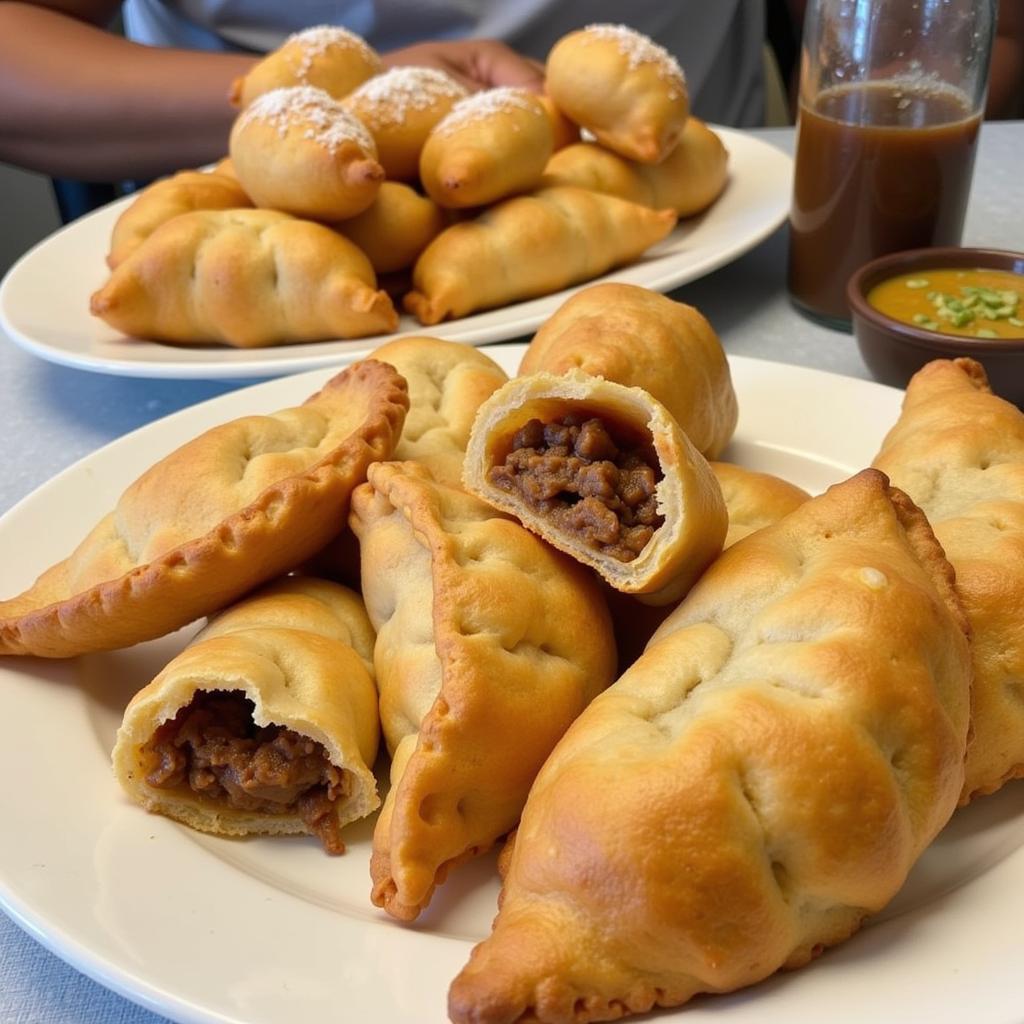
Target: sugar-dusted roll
{"points": [[641, 338], [958, 450], [266, 723], [754, 500], [604, 473], [327, 57], [627, 90], [529, 246], [158, 203], [688, 180], [493, 144], [247, 278], [300, 151], [400, 108], [234, 507], [395, 228], [448, 382], [760, 781], [489, 643]]}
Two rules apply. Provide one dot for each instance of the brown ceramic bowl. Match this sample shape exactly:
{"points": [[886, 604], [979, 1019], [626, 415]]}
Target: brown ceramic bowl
{"points": [[894, 351]]}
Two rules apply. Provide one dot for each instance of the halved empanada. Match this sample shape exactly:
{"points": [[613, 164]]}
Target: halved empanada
{"points": [[641, 338], [761, 780], [489, 643], [958, 451], [266, 722], [246, 278], [238, 505], [604, 473]]}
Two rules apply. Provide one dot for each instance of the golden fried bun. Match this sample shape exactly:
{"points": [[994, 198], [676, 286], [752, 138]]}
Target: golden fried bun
{"points": [[528, 246], [754, 500], [493, 144], [627, 90], [247, 278], [400, 108], [564, 132], [234, 507], [327, 57], [298, 150]]}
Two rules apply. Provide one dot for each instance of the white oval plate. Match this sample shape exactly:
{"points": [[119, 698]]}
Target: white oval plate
{"points": [[272, 931], [44, 299]]}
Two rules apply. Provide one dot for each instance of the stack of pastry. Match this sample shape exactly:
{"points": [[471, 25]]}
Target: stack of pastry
{"points": [[341, 171]]}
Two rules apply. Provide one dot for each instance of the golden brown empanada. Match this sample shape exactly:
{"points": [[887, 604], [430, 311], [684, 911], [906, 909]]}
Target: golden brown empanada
{"points": [[640, 338], [266, 722], [627, 90], [529, 246], [489, 643], [604, 473], [246, 278], [688, 180], [564, 132], [758, 783], [493, 144], [754, 500], [448, 382], [158, 203], [238, 505], [325, 56], [400, 108], [396, 227], [958, 451], [300, 151]]}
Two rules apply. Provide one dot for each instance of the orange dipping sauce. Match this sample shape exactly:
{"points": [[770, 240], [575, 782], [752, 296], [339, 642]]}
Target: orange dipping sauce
{"points": [[969, 303]]}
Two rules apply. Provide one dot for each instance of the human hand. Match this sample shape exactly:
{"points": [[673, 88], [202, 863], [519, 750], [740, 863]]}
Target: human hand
{"points": [[477, 63]]}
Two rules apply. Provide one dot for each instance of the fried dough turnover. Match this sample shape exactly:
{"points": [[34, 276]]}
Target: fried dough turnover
{"points": [[448, 382], [247, 278], [266, 723], [640, 338], [688, 180], [395, 228], [234, 507], [564, 132], [489, 643], [604, 473], [958, 451], [627, 90], [325, 56], [300, 151], [754, 500], [400, 108], [493, 144], [529, 246], [158, 203], [761, 780]]}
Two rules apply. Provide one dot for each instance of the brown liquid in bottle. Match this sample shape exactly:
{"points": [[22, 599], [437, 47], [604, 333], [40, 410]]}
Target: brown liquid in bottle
{"points": [[899, 181]]}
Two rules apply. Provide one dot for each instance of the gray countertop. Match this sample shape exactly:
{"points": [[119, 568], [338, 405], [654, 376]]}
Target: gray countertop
{"points": [[52, 416]]}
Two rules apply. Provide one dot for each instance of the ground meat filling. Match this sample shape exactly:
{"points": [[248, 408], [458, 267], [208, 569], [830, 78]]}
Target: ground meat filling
{"points": [[575, 473], [213, 746]]}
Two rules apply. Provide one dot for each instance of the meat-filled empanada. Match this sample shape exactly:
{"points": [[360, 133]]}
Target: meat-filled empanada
{"points": [[300, 151], [265, 723], [640, 338], [158, 203], [493, 144], [754, 500], [236, 506], [604, 473], [327, 57], [448, 382], [688, 180], [958, 451], [627, 90], [564, 132], [528, 246], [489, 643], [760, 781], [247, 278]]}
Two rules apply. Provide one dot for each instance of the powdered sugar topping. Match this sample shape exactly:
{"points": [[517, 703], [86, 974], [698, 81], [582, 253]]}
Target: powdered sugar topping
{"points": [[324, 120], [482, 105], [388, 98], [316, 41], [640, 49]]}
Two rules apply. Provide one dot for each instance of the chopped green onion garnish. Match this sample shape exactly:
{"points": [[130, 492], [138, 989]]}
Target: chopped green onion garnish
{"points": [[918, 282], [984, 332], [1013, 321]]}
